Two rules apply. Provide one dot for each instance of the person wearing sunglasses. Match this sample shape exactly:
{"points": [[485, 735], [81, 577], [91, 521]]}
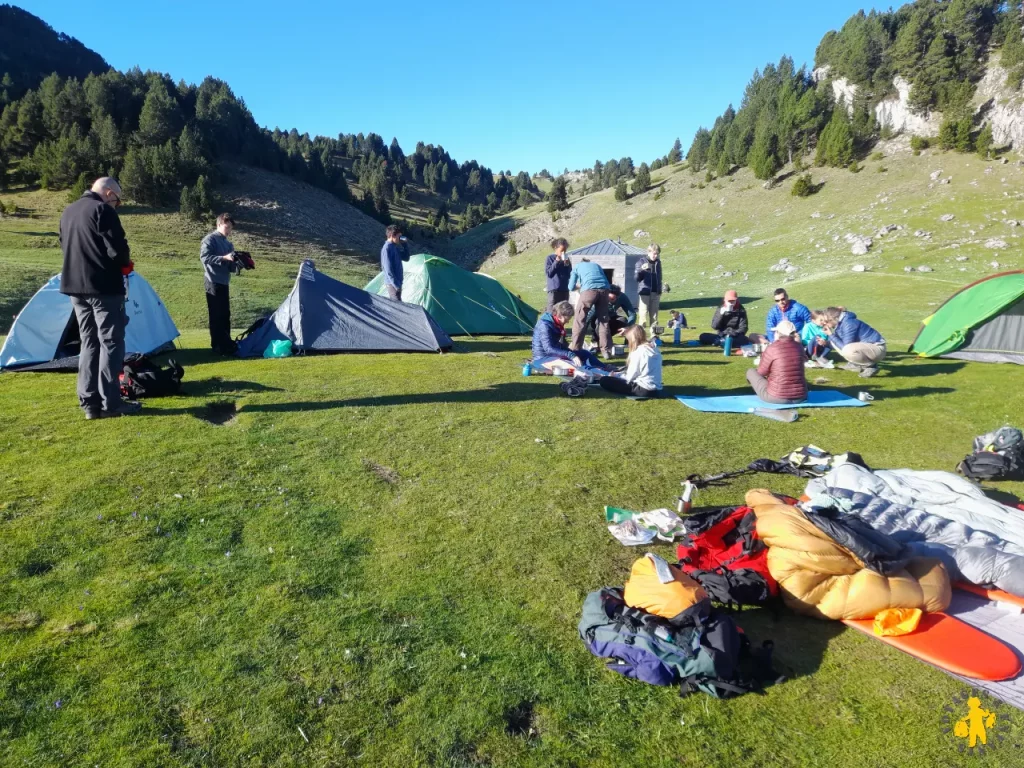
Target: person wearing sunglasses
{"points": [[784, 308], [96, 260]]}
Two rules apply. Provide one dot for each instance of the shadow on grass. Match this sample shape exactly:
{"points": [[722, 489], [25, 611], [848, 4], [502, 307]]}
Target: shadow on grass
{"points": [[463, 344], [1003, 497], [218, 386], [800, 642], [882, 393], [922, 368], [706, 302], [670, 361]]}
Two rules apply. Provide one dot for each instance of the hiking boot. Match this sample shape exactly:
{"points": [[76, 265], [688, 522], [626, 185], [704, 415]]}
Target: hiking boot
{"points": [[92, 413], [867, 373], [851, 367], [126, 408]]}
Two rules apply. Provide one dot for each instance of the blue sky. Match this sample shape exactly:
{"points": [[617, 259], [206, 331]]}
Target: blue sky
{"points": [[518, 86]]}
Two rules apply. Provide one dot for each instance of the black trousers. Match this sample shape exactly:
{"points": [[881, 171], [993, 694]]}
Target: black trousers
{"points": [[218, 303], [621, 387]]}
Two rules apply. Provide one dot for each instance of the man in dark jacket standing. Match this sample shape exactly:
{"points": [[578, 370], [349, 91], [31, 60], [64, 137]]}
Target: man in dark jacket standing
{"points": [[557, 267], [96, 259], [649, 285], [218, 257], [392, 254]]}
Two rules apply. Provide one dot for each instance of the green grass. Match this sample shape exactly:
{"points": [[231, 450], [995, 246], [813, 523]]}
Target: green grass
{"points": [[411, 538]]}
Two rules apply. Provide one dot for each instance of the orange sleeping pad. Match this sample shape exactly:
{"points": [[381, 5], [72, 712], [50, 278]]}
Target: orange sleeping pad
{"points": [[992, 594], [952, 645]]}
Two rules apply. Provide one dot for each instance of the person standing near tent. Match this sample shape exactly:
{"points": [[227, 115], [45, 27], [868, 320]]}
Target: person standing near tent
{"points": [[557, 267], [860, 345], [96, 260], [217, 255], [593, 286], [392, 254], [648, 278]]}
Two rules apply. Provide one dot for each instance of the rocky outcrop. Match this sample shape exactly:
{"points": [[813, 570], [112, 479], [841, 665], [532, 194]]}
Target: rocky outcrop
{"points": [[895, 113], [1002, 108]]}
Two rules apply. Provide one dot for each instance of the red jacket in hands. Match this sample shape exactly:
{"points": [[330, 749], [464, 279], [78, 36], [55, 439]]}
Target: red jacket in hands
{"points": [[783, 365]]}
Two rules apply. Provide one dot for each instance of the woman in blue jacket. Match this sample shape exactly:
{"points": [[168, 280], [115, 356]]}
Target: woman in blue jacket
{"points": [[861, 345], [557, 267]]}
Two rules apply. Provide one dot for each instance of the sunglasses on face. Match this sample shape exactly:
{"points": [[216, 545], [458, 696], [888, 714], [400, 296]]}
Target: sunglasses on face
{"points": [[781, 301]]}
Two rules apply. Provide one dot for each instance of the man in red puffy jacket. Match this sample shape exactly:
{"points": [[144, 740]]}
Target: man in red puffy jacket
{"points": [[779, 378]]}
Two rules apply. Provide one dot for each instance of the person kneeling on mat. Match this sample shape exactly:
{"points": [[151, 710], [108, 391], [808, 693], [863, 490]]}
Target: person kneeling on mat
{"points": [[643, 367], [549, 347], [730, 319], [779, 377], [861, 345]]}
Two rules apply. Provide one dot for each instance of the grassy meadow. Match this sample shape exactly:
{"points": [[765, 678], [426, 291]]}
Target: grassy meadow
{"points": [[380, 559]]}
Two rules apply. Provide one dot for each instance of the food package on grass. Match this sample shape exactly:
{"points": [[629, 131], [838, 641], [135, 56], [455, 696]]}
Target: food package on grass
{"points": [[630, 534], [662, 523]]}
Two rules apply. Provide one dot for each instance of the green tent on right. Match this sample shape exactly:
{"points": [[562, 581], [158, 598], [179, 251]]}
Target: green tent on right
{"points": [[983, 322]]}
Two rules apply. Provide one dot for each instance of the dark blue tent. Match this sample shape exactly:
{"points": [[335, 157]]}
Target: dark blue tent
{"points": [[322, 314]]}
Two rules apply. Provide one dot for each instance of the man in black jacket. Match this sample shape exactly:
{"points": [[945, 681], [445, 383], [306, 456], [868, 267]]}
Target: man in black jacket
{"points": [[96, 260]]}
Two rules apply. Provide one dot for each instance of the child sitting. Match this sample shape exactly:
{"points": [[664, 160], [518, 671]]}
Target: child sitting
{"points": [[678, 320], [643, 367], [815, 341]]}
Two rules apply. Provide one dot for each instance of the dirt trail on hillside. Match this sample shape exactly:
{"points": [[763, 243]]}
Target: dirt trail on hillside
{"points": [[536, 230], [274, 206]]}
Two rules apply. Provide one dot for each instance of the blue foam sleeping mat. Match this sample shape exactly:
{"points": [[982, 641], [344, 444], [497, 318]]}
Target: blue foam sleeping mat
{"points": [[818, 398]]}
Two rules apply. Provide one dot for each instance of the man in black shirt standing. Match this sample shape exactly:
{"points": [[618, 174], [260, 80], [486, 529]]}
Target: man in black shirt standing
{"points": [[96, 261]]}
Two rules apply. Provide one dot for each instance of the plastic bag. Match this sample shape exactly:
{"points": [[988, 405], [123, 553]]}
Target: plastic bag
{"points": [[278, 348], [893, 622]]}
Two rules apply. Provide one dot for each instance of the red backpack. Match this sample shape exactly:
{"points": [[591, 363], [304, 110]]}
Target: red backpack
{"points": [[724, 554]]}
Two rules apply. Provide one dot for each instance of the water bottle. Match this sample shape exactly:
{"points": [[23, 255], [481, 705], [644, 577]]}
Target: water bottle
{"points": [[657, 341], [675, 336], [527, 369], [727, 346]]}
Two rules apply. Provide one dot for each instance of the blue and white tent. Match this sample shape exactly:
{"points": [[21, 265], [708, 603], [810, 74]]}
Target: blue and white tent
{"points": [[44, 336]]}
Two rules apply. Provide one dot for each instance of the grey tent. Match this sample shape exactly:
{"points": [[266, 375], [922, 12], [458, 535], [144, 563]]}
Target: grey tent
{"points": [[322, 314]]}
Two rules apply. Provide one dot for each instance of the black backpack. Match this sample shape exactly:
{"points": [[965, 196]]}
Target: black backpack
{"points": [[143, 378], [998, 455]]}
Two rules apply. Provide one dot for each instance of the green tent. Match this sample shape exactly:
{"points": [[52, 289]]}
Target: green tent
{"points": [[462, 302], [983, 322]]}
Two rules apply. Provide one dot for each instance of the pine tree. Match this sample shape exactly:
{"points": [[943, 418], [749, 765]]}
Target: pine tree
{"points": [[136, 177], [947, 134], [643, 179], [455, 195], [187, 205], [963, 135], [724, 166], [525, 198], [984, 142], [763, 160], [202, 195], [676, 153], [558, 199], [621, 193], [835, 146], [160, 118]]}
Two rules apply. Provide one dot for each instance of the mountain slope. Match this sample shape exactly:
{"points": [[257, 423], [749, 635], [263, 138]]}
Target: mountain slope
{"points": [[30, 50]]}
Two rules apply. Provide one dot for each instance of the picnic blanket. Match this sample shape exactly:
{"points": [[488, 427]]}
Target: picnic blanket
{"points": [[1003, 623], [818, 398]]}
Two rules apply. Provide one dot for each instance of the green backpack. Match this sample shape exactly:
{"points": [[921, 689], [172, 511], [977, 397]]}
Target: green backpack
{"points": [[711, 655]]}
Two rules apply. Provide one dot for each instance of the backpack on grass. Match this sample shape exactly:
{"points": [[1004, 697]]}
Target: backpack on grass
{"points": [[998, 455], [142, 378], [712, 656]]}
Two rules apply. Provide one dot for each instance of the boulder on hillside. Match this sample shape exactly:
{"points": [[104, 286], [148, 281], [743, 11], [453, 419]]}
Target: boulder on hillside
{"points": [[947, 217], [934, 175], [741, 240], [637, 233], [925, 269], [859, 268], [995, 243]]}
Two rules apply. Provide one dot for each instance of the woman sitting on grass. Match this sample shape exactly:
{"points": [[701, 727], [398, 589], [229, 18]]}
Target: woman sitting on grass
{"points": [[643, 367], [861, 345], [779, 377]]}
